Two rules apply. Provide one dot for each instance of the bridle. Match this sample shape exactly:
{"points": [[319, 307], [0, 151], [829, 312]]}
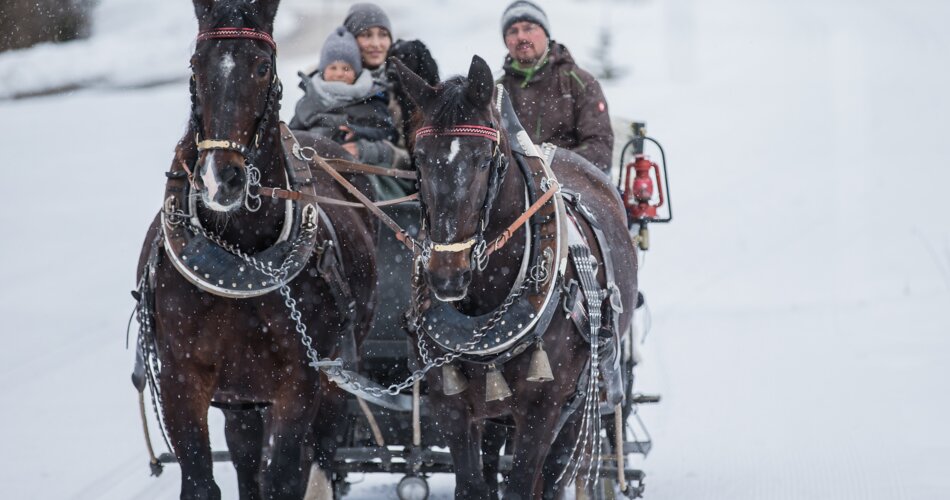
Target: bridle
{"points": [[498, 168], [250, 152]]}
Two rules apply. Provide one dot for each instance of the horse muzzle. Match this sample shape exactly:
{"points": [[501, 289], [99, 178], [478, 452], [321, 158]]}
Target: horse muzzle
{"points": [[221, 180], [448, 276]]}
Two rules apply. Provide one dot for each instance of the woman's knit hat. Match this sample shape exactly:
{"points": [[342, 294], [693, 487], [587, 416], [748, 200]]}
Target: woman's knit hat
{"points": [[341, 46], [363, 16]]}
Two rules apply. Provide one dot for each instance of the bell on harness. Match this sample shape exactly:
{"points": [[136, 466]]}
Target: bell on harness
{"points": [[540, 368], [453, 381], [496, 388]]}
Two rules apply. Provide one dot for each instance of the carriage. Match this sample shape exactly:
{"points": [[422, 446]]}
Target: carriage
{"points": [[395, 435], [277, 227]]}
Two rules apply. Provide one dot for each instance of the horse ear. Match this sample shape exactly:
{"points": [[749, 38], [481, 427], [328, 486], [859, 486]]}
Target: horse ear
{"points": [[270, 12], [203, 8], [413, 85], [480, 83]]}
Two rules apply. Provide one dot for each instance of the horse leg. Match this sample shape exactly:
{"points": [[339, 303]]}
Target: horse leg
{"points": [[244, 430], [291, 418], [330, 427], [493, 439], [532, 441], [557, 460], [463, 437], [186, 399]]}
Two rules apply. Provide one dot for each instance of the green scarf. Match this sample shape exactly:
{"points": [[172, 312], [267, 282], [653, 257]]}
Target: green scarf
{"points": [[530, 72]]}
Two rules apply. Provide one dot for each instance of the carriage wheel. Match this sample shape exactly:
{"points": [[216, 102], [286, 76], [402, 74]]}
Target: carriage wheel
{"points": [[412, 488]]}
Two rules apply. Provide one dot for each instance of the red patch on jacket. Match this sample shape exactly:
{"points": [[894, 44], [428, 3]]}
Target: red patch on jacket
{"points": [[601, 106]]}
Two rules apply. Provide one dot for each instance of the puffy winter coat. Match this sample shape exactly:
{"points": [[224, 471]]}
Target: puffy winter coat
{"points": [[558, 102], [363, 107]]}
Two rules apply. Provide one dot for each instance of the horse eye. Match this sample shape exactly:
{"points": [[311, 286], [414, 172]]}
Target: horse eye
{"points": [[263, 69], [485, 164]]}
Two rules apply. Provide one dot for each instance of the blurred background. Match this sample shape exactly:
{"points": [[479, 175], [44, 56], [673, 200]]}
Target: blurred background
{"points": [[800, 297]]}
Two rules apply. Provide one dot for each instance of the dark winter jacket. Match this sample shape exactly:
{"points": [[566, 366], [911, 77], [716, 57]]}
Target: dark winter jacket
{"points": [[558, 102], [362, 107]]}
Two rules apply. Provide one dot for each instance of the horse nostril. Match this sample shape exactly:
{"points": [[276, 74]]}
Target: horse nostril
{"points": [[231, 175]]}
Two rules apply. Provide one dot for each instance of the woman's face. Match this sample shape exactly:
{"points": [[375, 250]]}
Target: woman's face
{"points": [[374, 45]]}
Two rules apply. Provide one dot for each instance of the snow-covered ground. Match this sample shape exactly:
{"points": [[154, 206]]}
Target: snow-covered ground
{"points": [[801, 297]]}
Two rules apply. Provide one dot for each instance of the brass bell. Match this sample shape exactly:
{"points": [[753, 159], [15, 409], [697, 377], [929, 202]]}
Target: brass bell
{"points": [[540, 368], [453, 382], [496, 388]]}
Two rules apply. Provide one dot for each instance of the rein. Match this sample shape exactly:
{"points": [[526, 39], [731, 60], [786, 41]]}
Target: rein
{"points": [[343, 166], [502, 239], [334, 167]]}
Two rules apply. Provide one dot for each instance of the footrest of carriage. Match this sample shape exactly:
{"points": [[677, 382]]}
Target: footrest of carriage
{"points": [[640, 447], [640, 399], [633, 477], [371, 459]]}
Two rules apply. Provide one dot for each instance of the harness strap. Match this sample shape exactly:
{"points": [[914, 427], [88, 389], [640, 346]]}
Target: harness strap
{"points": [[502, 239], [233, 32], [401, 233], [222, 144], [352, 167], [287, 194]]}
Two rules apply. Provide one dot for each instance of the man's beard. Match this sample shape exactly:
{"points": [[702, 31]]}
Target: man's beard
{"points": [[529, 57]]}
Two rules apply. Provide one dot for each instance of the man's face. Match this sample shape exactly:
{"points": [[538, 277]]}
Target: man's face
{"points": [[526, 41]]}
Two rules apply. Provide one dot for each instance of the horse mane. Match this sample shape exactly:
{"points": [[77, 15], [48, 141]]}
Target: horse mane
{"points": [[240, 14], [451, 106]]}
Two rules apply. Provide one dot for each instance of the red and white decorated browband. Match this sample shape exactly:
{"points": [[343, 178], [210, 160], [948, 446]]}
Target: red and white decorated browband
{"points": [[249, 33], [467, 130]]}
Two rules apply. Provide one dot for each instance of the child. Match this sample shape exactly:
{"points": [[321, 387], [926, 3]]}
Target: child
{"points": [[344, 103]]}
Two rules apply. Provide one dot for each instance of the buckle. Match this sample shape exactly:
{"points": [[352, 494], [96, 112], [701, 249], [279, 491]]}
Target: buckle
{"points": [[616, 301]]}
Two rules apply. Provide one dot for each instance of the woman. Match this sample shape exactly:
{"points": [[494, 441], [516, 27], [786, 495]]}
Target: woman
{"points": [[373, 32]]}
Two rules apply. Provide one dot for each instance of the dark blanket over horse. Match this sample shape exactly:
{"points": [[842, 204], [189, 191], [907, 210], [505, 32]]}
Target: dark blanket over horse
{"points": [[247, 355], [472, 187]]}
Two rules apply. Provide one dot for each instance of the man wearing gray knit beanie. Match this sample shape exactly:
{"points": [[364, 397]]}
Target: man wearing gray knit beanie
{"points": [[556, 101]]}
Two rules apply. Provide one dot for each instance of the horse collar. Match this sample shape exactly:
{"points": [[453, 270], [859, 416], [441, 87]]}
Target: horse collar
{"points": [[216, 267]]}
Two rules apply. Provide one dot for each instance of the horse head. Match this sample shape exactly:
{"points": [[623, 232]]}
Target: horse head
{"points": [[458, 151], [235, 92]]}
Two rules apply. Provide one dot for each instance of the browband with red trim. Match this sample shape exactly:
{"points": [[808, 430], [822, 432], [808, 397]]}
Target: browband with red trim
{"points": [[467, 130], [250, 33]]}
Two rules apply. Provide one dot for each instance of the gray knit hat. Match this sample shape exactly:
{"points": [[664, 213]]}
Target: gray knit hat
{"points": [[362, 16], [523, 10], [341, 46]]}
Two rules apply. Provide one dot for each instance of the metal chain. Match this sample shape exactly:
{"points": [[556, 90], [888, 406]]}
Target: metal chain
{"points": [[278, 274], [333, 367]]}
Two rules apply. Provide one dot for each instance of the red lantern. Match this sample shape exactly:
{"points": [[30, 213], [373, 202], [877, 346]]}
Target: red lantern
{"points": [[638, 192]]}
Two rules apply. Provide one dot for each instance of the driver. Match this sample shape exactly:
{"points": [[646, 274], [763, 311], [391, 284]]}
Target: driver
{"points": [[556, 101]]}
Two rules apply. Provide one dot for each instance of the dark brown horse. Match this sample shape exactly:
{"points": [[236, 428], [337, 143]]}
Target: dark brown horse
{"points": [[457, 157], [244, 352]]}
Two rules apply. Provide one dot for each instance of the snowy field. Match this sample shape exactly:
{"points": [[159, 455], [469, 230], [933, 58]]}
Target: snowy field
{"points": [[801, 297]]}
